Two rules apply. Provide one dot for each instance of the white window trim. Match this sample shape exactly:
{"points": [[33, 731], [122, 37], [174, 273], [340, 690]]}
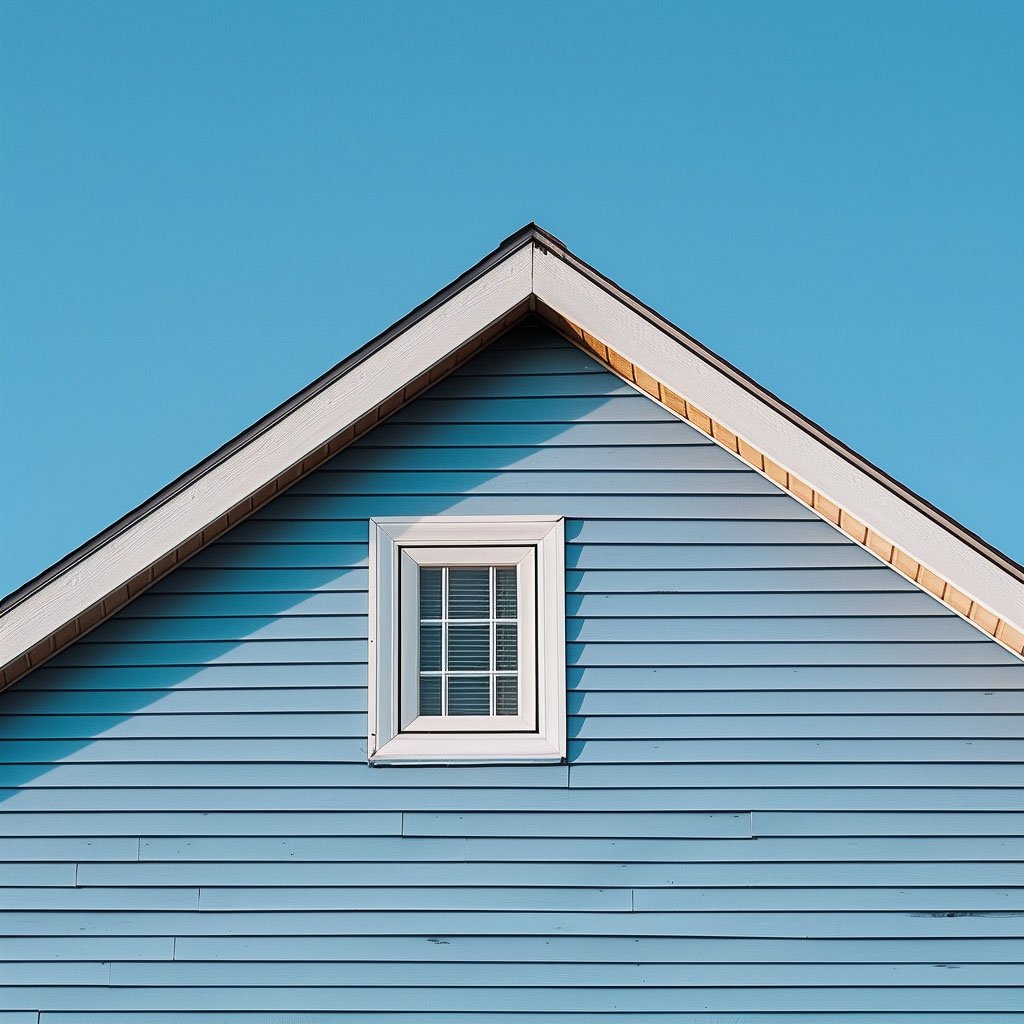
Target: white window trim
{"points": [[387, 742]]}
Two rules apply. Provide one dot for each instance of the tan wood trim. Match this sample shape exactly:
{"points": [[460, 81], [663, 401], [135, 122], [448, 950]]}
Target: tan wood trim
{"points": [[1003, 632]]}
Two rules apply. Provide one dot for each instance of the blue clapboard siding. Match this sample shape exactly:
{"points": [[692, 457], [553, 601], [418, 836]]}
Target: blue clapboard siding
{"points": [[794, 791]]}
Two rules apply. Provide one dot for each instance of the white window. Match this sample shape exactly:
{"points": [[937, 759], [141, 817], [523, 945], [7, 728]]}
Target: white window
{"points": [[467, 639]]}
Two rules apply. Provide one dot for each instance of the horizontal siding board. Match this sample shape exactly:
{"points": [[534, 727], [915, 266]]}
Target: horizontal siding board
{"points": [[625, 875], [808, 751], [328, 799], [202, 606], [614, 408], [795, 727], [568, 975], [350, 725], [522, 483], [685, 654], [82, 849], [405, 898], [538, 458], [766, 581], [994, 778], [686, 505], [265, 652], [991, 778], [736, 825], [296, 584], [793, 791], [529, 434], [649, 849], [45, 705], [505, 361], [725, 556], [188, 775], [206, 677], [897, 703], [61, 951], [777, 678], [78, 973], [342, 751], [834, 629], [509, 1017], [282, 556], [555, 1017], [714, 531], [36, 874], [100, 899], [599, 950], [818, 823], [597, 1000], [529, 385], [236, 628], [834, 776], [752, 924], [227, 823], [718, 606], [156, 750]]}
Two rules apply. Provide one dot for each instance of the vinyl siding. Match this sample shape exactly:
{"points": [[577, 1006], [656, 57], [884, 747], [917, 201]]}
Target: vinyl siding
{"points": [[794, 790]]}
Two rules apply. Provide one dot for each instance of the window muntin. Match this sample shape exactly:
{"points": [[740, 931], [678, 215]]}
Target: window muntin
{"points": [[469, 652]]}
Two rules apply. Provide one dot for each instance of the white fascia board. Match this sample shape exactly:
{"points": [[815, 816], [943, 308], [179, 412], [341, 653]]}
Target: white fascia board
{"points": [[585, 303], [424, 343]]}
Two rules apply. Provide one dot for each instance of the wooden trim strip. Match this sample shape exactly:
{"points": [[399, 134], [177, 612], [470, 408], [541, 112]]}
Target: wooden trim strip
{"points": [[1003, 632]]}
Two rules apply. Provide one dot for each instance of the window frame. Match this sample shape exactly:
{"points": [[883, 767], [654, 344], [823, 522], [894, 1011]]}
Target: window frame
{"points": [[538, 733]]}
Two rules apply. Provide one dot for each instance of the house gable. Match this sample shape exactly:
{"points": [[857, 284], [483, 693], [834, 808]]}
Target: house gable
{"points": [[791, 784]]}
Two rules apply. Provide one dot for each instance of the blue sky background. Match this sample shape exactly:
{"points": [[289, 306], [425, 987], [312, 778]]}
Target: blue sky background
{"points": [[205, 205]]}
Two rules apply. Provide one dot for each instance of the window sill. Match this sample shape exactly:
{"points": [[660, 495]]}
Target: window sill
{"points": [[467, 748]]}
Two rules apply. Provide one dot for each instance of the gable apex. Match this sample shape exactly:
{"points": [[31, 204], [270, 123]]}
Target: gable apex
{"points": [[530, 272]]}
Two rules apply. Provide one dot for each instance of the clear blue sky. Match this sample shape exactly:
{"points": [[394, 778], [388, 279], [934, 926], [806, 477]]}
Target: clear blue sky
{"points": [[205, 205]]}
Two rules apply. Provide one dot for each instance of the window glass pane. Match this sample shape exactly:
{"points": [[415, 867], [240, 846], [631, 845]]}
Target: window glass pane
{"points": [[506, 647], [430, 695], [469, 593], [430, 593], [505, 592], [430, 647], [469, 647], [468, 640], [469, 695], [507, 695]]}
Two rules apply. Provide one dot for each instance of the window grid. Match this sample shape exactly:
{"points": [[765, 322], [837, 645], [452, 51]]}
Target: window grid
{"points": [[492, 622]]}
